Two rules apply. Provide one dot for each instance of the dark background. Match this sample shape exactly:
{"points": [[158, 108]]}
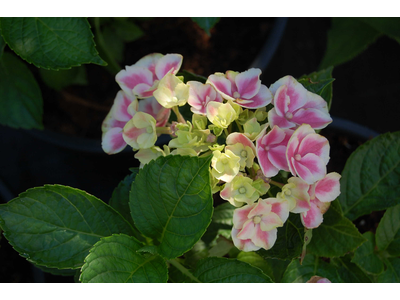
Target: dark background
{"points": [[365, 91]]}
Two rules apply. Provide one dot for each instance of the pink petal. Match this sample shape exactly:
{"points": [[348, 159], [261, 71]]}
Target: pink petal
{"points": [[261, 99], [170, 63], [129, 78], [260, 208], [328, 188], [281, 101], [112, 141], [240, 216], [277, 157], [221, 84], [276, 120], [316, 144], [143, 90], [236, 137], [248, 83], [279, 207], [310, 168], [244, 245], [313, 217], [267, 167], [265, 239], [248, 230], [316, 118], [149, 62], [121, 103], [155, 109]]}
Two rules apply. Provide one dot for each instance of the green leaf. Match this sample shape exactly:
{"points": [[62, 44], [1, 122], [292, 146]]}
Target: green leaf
{"points": [[347, 38], [228, 270], [257, 261], [289, 241], [312, 266], [388, 231], [392, 273], [366, 258], [20, 96], [120, 197], [60, 79], [127, 30], [115, 259], [320, 83], [221, 223], [387, 26], [171, 202], [51, 43], [336, 236], [371, 177], [206, 23], [348, 271], [55, 226], [2, 45]]}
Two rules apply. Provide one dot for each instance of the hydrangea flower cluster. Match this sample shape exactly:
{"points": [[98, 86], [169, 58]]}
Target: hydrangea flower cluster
{"points": [[253, 133]]}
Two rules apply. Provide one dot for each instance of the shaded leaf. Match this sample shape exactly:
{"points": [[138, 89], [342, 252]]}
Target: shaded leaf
{"points": [[289, 242], [347, 38], [371, 177], [256, 260], [311, 266], [2, 45], [228, 270], [365, 256], [386, 25], [336, 236], [221, 223], [171, 202], [20, 96], [60, 79], [392, 273], [55, 226], [206, 23], [51, 43], [349, 272], [115, 259], [388, 231], [320, 83]]}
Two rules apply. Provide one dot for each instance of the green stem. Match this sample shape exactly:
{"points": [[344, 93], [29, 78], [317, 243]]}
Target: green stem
{"points": [[226, 131], [239, 126], [278, 184], [113, 64], [180, 118], [185, 271], [163, 130]]}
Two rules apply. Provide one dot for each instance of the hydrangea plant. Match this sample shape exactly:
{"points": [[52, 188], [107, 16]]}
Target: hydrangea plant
{"points": [[239, 193]]}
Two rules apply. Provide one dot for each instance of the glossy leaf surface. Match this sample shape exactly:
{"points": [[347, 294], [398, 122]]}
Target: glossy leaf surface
{"points": [[55, 226], [388, 231], [371, 177], [171, 202]]}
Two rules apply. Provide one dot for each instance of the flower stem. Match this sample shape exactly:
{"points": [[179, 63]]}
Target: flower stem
{"points": [[239, 126], [180, 118], [185, 271], [163, 130], [278, 184]]}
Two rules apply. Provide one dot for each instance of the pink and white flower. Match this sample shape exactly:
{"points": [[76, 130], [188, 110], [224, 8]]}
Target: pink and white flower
{"points": [[307, 154], [200, 95], [142, 78], [245, 88], [140, 131], [171, 91], [254, 226], [322, 193], [155, 109], [295, 105], [295, 192], [241, 146], [121, 112], [271, 150]]}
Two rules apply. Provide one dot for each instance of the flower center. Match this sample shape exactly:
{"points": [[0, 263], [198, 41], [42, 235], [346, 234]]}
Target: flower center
{"points": [[174, 99], [288, 192], [266, 148], [149, 129], [224, 160], [236, 95], [257, 219], [243, 153], [297, 157], [242, 190], [289, 115]]}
